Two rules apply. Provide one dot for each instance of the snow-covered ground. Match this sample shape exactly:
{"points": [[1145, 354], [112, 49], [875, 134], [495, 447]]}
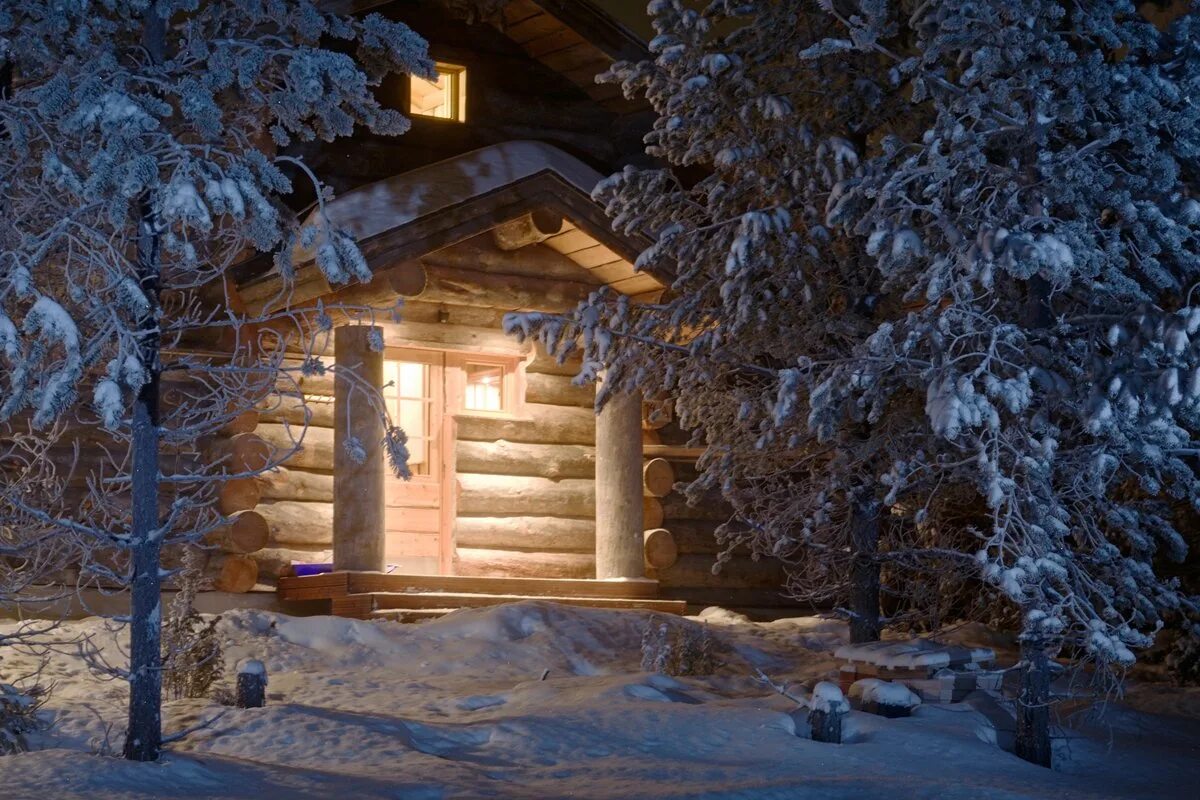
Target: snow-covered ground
{"points": [[457, 708]]}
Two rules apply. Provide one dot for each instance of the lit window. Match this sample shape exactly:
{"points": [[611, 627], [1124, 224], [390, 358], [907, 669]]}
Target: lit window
{"points": [[443, 98], [408, 399], [485, 387]]}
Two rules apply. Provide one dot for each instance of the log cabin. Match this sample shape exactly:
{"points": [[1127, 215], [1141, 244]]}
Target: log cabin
{"points": [[519, 489]]}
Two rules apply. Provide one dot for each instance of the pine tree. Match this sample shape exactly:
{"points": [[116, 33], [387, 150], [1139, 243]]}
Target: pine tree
{"points": [[933, 269], [144, 161]]}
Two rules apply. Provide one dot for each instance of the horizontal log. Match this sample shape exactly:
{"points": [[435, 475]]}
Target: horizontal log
{"points": [[536, 460], [493, 290], [547, 424], [242, 452], [238, 494], [674, 452], [233, 573], [314, 451], [276, 561], [531, 228], [736, 598], [315, 411], [541, 533], [739, 572], [545, 364], [283, 483], [712, 507], [245, 422], [513, 564], [292, 522], [658, 477], [696, 536], [558, 390], [659, 548], [507, 494], [246, 532]]}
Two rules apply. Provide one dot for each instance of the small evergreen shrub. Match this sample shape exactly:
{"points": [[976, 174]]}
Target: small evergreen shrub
{"points": [[678, 649]]}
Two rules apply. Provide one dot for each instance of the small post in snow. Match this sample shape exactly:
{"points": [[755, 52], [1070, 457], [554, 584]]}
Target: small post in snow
{"points": [[826, 707], [252, 684]]}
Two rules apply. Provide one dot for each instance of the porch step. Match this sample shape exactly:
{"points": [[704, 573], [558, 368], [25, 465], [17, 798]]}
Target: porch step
{"points": [[441, 600], [410, 614], [341, 584]]}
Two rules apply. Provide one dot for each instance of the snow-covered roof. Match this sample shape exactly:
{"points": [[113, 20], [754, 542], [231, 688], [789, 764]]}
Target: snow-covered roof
{"points": [[369, 210]]}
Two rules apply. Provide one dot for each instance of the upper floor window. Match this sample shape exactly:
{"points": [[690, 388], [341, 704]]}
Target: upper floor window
{"points": [[443, 98]]}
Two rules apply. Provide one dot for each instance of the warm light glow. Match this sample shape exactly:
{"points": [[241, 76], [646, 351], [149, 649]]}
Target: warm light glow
{"points": [[444, 98], [408, 400], [485, 388]]}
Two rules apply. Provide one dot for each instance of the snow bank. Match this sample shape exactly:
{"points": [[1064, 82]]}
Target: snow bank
{"points": [[887, 693]]}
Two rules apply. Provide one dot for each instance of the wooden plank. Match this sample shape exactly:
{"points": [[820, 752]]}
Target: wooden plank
{"points": [[580, 57], [412, 544], [361, 582], [313, 587], [636, 284], [354, 606], [414, 520], [569, 242], [613, 271], [594, 256], [533, 28], [552, 43], [432, 600], [416, 493], [519, 10]]}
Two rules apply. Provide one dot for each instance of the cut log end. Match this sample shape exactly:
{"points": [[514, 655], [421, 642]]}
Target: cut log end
{"points": [[660, 548], [532, 228], [235, 573], [658, 477]]}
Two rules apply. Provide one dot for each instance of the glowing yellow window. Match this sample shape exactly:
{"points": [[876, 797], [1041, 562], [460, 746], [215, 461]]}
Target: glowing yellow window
{"points": [[443, 98], [485, 387], [408, 397]]}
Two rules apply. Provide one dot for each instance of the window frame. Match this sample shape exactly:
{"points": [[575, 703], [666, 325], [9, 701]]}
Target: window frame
{"points": [[512, 393], [457, 89]]}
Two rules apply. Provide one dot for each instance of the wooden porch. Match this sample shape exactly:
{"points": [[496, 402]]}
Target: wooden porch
{"points": [[411, 598]]}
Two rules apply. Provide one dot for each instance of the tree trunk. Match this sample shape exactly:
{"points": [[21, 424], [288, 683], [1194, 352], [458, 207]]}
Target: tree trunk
{"points": [[143, 739], [1033, 704], [864, 569]]}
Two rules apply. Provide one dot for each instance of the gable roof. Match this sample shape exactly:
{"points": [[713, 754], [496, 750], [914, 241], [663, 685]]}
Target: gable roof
{"points": [[575, 38], [426, 209]]}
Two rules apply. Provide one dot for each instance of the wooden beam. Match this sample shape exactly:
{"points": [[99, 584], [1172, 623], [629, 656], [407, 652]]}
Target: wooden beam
{"points": [[619, 546], [358, 480]]}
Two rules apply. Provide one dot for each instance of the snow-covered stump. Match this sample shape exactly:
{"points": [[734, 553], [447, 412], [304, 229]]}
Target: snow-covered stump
{"points": [[884, 698], [1033, 703], [252, 684], [826, 708]]}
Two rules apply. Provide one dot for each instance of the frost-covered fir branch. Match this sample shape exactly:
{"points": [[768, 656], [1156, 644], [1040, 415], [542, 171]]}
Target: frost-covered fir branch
{"points": [[145, 155], [931, 310]]}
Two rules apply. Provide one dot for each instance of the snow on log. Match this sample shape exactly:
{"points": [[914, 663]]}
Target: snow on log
{"points": [[658, 477], [548, 424], [233, 573], [526, 533], [523, 496], [283, 483], [294, 522], [535, 460], [660, 549], [482, 563]]}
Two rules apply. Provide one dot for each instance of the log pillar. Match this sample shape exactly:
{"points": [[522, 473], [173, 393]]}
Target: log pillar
{"points": [[358, 488], [619, 514]]}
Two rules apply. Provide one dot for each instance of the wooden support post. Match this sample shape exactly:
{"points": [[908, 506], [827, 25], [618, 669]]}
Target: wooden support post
{"points": [[619, 543], [358, 487]]}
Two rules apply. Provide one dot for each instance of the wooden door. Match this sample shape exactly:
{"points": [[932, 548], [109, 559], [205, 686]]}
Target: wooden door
{"points": [[414, 391]]}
